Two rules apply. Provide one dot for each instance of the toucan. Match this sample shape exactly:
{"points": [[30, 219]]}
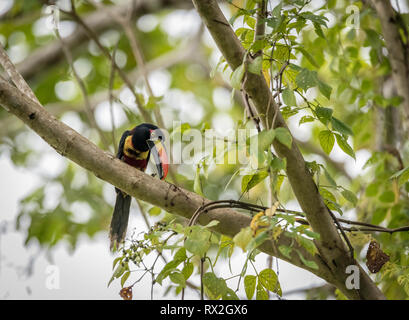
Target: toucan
{"points": [[135, 148]]}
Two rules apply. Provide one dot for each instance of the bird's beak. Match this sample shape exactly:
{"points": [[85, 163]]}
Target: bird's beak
{"points": [[160, 157]]}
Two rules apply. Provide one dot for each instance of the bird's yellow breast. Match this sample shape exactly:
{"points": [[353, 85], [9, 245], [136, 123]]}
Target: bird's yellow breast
{"points": [[131, 152]]}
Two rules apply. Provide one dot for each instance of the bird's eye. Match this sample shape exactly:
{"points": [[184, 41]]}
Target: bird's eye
{"points": [[157, 135]]}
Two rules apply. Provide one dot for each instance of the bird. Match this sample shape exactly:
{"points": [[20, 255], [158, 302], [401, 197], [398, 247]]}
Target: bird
{"points": [[135, 148]]}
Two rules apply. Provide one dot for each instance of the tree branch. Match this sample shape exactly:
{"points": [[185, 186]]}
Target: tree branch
{"points": [[397, 49], [330, 245], [126, 25], [169, 197], [52, 53], [15, 76]]}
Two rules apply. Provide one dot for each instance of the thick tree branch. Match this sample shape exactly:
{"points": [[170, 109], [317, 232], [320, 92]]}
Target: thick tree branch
{"points": [[15, 76], [397, 49], [169, 197], [331, 246]]}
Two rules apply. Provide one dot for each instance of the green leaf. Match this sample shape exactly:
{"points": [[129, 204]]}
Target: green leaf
{"points": [[243, 238], [278, 164], [261, 293], [372, 189], [306, 79], [152, 103], [276, 12], [307, 244], [212, 223], [330, 178], [311, 234], [250, 181], [325, 89], [167, 269], [327, 140], [124, 278], [197, 184], [265, 139], [350, 196], [321, 20], [237, 77], [324, 114], [197, 241], [256, 65], [332, 205], [318, 30], [308, 263], [184, 127], [155, 211], [327, 194], [188, 270], [373, 38], [343, 144], [379, 215], [308, 56], [258, 240], [341, 127], [116, 260], [258, 45], [230, 295], [250, 285], [251, 22], [178, 278], [215, 287], [289, 97], [387, 197], [288, 112], [180, 255], [284, 136], [119, 271], [306, 119], [402, 176], [285, 251], [269, 280]]}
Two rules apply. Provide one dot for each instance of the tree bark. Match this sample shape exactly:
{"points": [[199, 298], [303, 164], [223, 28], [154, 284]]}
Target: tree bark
{"points": [[397, 51], [70, 144], [331, 247]]}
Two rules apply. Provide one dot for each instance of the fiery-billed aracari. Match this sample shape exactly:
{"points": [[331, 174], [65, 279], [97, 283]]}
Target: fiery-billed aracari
{"points": [[135, 148]]}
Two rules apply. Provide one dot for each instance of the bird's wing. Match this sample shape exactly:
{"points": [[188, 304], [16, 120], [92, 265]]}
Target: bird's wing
{"points": [[120, 152]]}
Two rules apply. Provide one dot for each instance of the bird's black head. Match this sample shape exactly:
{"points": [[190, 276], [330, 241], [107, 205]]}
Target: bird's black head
{"points": [[142, 133]]}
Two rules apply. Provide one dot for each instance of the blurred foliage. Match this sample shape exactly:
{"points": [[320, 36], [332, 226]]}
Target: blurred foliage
{"points": [[328, 76]]}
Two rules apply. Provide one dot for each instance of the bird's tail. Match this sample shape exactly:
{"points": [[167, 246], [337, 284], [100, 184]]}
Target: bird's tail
{"points": [[119, 221]]}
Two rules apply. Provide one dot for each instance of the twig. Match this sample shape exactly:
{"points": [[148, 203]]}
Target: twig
{"points": [[250, 111], [15, 76], [125, 23], [260, 26], [340, 228], [111, 98], [255, 208], [202, 260], [81, 84], [145, 115]]}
